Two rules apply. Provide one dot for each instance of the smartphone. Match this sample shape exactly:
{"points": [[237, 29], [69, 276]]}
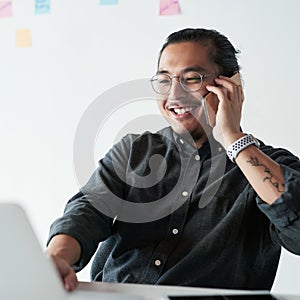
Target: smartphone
{"points": [[225, 297], [210, 103]]}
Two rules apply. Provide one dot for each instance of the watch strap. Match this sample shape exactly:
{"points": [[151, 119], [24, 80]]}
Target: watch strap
{"points": [[235, 148]]}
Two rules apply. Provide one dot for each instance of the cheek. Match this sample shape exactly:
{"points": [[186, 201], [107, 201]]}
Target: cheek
{"points": [[161, 105], [161, 98]]}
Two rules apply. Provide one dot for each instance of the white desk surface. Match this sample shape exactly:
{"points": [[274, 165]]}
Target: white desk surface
{"points": [[156, 292]]}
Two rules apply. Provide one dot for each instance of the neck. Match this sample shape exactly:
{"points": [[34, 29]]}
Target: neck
{"points": [[200, 141], [195, 140]]}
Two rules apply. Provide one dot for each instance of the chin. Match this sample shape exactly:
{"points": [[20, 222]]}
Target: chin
{"points": [[189, 133]]}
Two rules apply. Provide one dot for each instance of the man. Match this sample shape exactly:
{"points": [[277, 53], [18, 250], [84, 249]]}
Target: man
{"points": [[229, 202]]}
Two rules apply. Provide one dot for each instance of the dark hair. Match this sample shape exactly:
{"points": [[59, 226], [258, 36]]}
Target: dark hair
{"points": [[222, 53]]}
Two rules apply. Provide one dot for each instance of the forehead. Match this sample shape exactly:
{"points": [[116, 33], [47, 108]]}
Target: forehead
{"points": [[176, 57]]}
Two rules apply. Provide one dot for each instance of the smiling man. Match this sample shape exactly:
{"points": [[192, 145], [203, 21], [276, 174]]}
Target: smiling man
{"points": [[224, 206], [179, 99]]}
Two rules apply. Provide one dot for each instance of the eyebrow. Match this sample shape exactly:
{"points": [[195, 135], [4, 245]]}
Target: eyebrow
{"points": [[188, 69]]}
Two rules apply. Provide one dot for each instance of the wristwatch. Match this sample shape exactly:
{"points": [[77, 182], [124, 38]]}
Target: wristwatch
{"points": [[235, 148]]}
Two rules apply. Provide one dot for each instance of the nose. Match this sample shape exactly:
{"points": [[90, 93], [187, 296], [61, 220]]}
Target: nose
{"points": [[176, 90]]}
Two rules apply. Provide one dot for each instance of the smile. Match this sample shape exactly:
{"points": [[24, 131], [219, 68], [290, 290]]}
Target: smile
{"points": [[181, 111]]}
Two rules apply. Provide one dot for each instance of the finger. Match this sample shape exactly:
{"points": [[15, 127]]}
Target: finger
{"points": [[70, 279], [71, 282], [219, 91], [234, 89], [67, 274], [228, 84]]}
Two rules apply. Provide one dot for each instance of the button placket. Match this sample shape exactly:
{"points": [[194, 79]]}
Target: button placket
{"points": [[157, 262], [175, 231], [197, 157], [184, 193]]}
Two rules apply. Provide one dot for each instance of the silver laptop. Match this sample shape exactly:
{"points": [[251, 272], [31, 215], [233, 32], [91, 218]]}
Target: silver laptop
{"points": [[26, 272]]}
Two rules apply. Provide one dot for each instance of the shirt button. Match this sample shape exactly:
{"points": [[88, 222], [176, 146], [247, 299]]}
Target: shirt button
{"points": [[185, 193], [157, 262], [175, 231], [220, 149], [181, 141], [197, 157]]}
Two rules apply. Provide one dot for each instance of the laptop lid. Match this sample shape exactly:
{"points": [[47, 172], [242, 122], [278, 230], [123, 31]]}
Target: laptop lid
{"points": [[26, 272]]}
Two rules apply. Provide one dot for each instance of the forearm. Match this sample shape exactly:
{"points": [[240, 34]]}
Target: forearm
{"points": [[263, 173], [65, 247]]}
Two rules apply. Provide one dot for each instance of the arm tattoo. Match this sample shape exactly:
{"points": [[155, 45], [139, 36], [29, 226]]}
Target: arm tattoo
{"points": [[254, 162]]}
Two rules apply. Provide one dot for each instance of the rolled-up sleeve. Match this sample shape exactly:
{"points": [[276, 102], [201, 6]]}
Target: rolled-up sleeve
{"points": [[88, 216], [284, 213], [86, 224]]}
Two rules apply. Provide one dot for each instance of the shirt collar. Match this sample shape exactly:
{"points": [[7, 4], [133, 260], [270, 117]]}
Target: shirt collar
{"points": [[209, 148]]}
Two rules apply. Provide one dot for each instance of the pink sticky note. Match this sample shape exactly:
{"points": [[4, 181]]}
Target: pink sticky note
{"points": [[169, 7], [5, 9]]}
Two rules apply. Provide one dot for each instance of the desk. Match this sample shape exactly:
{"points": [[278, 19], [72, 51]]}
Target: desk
{"points": [[157, 292]]}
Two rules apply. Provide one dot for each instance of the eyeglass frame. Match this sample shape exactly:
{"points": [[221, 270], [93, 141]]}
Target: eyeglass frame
{"points": [[202, 76]]}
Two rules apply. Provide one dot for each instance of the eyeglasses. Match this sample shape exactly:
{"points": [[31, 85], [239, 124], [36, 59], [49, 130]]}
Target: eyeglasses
{"points": [[190, 81]]}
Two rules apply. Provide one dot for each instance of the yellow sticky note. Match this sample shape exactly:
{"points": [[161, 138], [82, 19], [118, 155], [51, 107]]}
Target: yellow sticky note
{"points": [[23, 38]]}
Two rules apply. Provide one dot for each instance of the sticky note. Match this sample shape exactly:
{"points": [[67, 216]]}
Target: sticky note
{"points": [[169, 7], [42, 7], [108, 2], [23, 38], [5, 9]]}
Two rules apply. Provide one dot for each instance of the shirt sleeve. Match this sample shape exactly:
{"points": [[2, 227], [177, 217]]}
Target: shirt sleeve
{"points": [[88, 216], [85, 223], [284, 213]]}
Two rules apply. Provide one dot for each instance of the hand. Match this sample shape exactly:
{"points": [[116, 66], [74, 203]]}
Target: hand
{"points": [[67, 274], [228, 117]]}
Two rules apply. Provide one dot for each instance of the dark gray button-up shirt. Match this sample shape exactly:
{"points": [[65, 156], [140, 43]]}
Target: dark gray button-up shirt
{"points": [[168, 213]]}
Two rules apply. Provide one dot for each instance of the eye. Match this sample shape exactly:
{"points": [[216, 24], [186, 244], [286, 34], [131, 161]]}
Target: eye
{"points": [[191, 78], [163, 80]]}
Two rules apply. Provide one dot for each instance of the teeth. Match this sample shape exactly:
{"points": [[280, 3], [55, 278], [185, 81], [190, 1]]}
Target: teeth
{"points": [[181, 111]]}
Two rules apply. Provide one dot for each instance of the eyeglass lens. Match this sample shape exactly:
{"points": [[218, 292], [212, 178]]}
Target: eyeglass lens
{"points": [[189, 81]]}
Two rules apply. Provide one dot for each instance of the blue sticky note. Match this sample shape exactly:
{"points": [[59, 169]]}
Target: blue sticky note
{"points": [[108, 2], [42, 7]]}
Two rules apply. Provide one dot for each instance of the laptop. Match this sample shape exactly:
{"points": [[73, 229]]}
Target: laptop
{"points": [[26, 272]]}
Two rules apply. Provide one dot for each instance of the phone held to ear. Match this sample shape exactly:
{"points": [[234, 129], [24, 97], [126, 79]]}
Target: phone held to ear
{"points": [[210, 103]]}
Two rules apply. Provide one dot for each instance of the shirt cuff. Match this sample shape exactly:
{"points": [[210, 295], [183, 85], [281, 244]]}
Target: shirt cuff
{"points": [[81, 263], [285, 210]]}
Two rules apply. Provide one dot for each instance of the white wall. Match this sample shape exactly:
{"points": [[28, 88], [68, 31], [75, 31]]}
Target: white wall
{"points": [[82, 49]]}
